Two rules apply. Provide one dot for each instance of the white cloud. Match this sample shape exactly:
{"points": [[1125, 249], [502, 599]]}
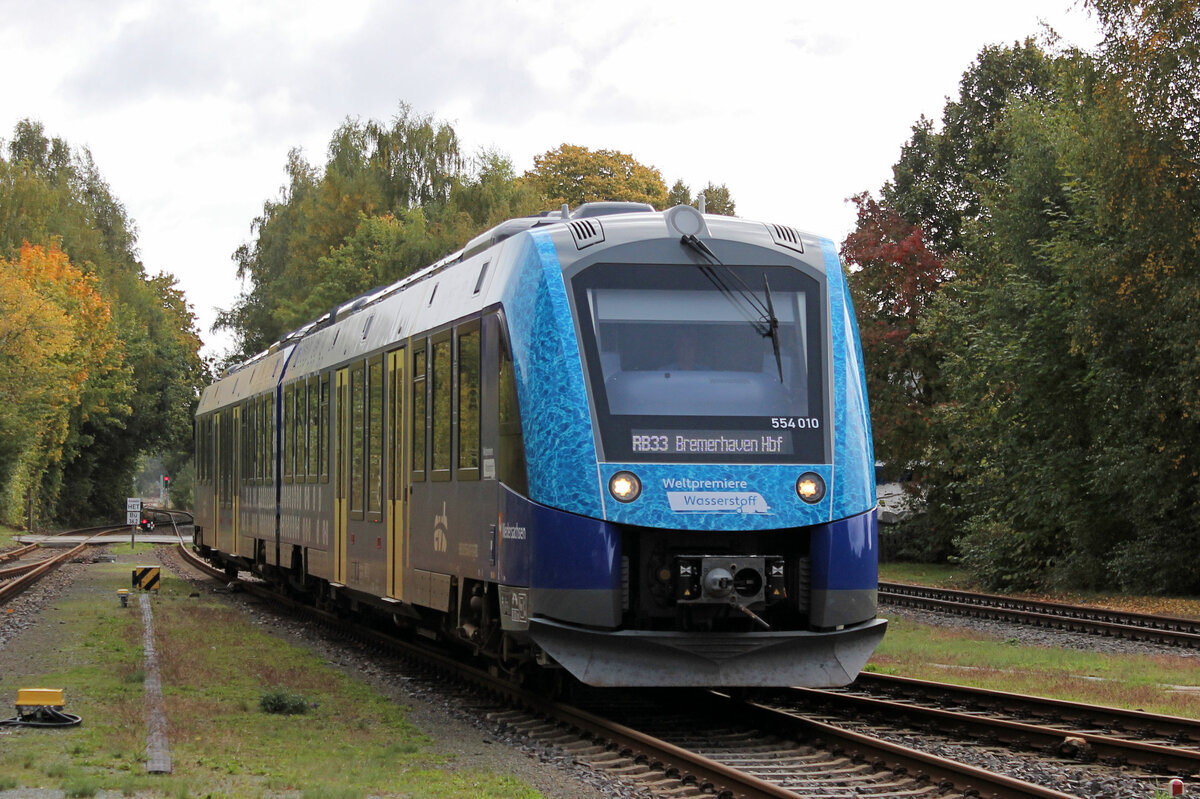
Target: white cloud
{"points": [[191, 108]]}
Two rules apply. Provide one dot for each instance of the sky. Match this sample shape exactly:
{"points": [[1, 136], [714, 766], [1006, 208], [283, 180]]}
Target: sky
{"points": [[189, 108]]}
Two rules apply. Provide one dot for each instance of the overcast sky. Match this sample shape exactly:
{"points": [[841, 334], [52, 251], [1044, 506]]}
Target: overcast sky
{"points": [[190, 108]]}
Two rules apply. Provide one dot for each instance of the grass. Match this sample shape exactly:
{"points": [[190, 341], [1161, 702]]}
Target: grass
{"points": [[6, 536], [216, 666], [940, 575], [1158, 684]]}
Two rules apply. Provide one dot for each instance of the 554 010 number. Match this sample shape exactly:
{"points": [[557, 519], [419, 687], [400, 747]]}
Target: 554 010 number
{"points": [[795, 423]]}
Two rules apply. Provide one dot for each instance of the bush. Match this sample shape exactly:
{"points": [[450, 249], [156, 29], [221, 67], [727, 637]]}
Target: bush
{"points": [[284, 703]]}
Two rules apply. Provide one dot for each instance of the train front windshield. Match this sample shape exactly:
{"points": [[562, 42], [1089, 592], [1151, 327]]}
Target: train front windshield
{"points": [[683, 365]]}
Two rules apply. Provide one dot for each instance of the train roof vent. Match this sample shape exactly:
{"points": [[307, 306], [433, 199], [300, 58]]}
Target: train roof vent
{"points": [[586, 232], [786, 237]]}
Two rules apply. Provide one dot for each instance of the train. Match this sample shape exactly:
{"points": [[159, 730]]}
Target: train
{"points": [[626, 445]]}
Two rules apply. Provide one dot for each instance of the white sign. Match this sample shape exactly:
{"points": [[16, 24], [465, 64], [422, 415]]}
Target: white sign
{"points": [[133, 518], [133, 510], [717, 502]]}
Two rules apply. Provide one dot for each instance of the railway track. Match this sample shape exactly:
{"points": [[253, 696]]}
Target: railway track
{"points": [[1074, 618], [27, 565], [692, 743], [1071, 731]]}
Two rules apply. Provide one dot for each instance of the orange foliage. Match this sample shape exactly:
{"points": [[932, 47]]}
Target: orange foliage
{"points": [[56, 335]]}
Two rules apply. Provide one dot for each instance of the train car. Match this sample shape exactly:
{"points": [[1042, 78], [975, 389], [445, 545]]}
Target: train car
{"points": [[628, 444]]}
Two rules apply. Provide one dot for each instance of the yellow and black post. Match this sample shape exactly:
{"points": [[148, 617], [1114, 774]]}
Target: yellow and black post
{"points": [[146, 578]]}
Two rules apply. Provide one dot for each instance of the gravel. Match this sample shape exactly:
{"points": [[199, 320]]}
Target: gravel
{"points": [[459, 727], [1028, 635]]}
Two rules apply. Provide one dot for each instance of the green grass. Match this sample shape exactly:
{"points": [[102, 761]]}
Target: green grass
{"points": [[950, 654], [6, 536], [215, 669], [941, 575]]}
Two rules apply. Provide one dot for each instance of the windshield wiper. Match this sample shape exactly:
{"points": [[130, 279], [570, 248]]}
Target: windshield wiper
{"points": [[768, 325]]}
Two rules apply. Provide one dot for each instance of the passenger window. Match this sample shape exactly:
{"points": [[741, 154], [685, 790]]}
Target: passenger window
{"points": [[289, 433], [323, 430], [511, 461], [358, 407], [396, 361], [418, 414], [270, 434], [313, 424], [301, 431], [440, 406], [375, 438], [468, 402]]}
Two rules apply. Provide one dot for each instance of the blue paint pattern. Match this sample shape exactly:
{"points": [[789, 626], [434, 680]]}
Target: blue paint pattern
{"points": [[560, 453], [853, 486]]}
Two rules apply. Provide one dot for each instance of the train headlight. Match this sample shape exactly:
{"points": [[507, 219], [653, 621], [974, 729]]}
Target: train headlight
{"points": [[625, 486], [811, 487]]}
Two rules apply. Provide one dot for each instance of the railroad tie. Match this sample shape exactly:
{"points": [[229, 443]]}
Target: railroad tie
{"points": [[158, 753]]}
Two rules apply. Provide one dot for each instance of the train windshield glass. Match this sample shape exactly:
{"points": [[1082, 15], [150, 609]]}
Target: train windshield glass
{"points": [[684, 365]]}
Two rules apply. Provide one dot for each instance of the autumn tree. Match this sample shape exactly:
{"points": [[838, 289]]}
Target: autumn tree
{"points": [[575, 175], [139, 394], [59, 355], [906, 247]]}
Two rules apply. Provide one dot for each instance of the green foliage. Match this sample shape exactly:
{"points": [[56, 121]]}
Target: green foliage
{"points": [[391, 198], [283, 702], [131, 365], [575, 175], [1064, 194]]}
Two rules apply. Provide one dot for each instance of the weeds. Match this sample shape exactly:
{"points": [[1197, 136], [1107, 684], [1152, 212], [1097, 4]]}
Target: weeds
{"points": [[283, 702]]}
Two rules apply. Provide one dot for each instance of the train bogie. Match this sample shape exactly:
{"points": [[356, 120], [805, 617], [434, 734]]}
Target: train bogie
{"points": [[633, 446]]}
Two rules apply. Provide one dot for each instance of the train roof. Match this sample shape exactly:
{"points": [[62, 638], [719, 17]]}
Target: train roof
{"points": [[351, 327]]}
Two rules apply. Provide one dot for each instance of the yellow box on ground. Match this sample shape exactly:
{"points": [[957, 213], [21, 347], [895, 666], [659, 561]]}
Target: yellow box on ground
{"points": [[39, 697]]}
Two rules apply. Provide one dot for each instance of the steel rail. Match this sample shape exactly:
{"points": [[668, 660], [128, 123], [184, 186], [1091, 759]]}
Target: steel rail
{"points": [[1030, 737], [11, 589], [15, 554], [1164, 629], [684, 765], [1176, 728]]}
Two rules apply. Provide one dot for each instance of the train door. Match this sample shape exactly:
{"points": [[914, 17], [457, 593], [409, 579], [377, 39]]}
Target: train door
{"points": [[341, 491], [397, 479], [228, 479]]}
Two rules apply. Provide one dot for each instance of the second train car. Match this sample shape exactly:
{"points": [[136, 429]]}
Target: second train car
{"points": [[628, 444]]}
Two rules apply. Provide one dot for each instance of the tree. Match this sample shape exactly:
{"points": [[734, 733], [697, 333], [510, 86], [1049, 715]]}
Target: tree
{"points": [[373, 169], [575, 175], [137, 384], [679, 194], [717, 200], [59, 355]]}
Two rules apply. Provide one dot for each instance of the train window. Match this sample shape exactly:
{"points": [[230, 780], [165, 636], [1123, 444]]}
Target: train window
{"points": [[375, 439], [358, 408], [303, 441], [269, 467], [441, 398], [684, 368], [323, 430], [510, 468], [264, 439], [314, 417], [396, 362], [247, 450], [289, 433], [418, 413], [468, 402]]}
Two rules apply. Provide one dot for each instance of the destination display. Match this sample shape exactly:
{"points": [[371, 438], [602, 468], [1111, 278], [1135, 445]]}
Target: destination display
{"points": [[710, 442]]}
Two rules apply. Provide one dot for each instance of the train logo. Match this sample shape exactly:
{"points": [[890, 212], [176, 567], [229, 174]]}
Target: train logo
{"points": [[441, 524]]}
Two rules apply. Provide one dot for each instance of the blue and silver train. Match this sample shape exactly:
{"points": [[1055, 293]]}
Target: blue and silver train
{"points": [[628, 444]]}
